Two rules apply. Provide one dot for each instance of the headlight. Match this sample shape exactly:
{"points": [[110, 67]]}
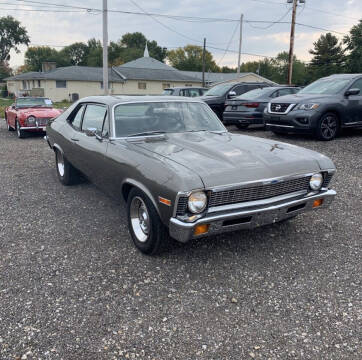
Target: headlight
{"points": [[316, 181], [311, 106], [31, 120], [197, 202]]}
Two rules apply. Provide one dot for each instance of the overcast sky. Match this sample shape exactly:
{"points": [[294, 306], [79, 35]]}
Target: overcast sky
{"points": [[64, 28]]}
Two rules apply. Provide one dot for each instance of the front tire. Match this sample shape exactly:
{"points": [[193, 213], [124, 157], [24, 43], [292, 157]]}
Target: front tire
{"points": [[145, 226], [327, 127], [67, 174], [21, 133]]}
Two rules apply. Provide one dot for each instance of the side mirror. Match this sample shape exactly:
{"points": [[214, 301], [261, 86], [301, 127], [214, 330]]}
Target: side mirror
{"points": [[91, 132], [231, 94], [352, 92]]}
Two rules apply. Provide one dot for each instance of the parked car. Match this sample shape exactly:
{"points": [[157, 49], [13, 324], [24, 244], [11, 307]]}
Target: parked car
{"points": [[322, 108], [185, 91], [248, 108], [180, 171], [219, 94], [30, 114]]}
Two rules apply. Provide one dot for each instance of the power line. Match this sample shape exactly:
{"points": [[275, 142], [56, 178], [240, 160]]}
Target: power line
{"points": [[228, 45], [273, 23]]}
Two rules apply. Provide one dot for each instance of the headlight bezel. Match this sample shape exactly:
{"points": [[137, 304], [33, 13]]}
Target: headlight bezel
{"points": [[32, 118], [193, 198], [316, 181], [308, 106]]}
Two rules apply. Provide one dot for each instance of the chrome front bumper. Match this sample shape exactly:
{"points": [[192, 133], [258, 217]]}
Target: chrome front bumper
{"points": [[40, 128], [248, 218]]}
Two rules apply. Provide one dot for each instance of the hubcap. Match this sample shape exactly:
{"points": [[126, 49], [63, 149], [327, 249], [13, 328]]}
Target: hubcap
{"points": [[140, 219], [329, 127], [60, 163]]}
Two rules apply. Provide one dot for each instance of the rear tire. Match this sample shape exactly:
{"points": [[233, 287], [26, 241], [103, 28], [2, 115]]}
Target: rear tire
{"points": [[148, 233], [21, 133], [67, 174], [327, 127]]}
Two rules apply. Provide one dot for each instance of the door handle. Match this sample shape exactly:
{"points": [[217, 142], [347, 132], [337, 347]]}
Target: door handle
{"points": [[74, 139]]}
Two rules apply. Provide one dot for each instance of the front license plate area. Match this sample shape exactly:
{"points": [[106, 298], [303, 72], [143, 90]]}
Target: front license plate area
{"points": [[268, 217], [275, 118]]}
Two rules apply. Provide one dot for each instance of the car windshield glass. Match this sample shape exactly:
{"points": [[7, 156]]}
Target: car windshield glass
{"points": [[164, 117], [33, 102], [167, 92], [252, 94], [218, 90], [325, 86]]}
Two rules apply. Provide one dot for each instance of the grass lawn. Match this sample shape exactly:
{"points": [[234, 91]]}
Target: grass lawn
{"points": [[7, 102]]}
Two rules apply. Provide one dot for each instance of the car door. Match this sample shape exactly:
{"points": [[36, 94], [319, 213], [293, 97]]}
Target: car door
{"points": [[355, 105], [92, 141]]}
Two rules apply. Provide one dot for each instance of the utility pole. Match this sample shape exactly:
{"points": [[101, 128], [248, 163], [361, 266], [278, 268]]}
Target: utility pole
{"points": [[291, 46], [105, 47], [203, 63], [240, 40]]}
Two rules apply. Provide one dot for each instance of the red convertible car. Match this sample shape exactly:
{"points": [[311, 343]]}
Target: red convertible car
{"points": [[30, 114]]}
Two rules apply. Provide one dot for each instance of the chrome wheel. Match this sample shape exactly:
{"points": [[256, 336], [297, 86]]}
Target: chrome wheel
{"points": [[329, 126], [140, 219], [60, 163]]}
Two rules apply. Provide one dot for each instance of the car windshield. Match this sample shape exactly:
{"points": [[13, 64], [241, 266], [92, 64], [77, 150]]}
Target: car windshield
{"points": [[325, 86], [252, 94], [167, 92], [33, 102], [164, 117], [218, 90]]}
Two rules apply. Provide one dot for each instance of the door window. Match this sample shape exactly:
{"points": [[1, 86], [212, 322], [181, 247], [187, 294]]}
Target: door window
{"points": [[77, 118], [93, 118], [239, 90], [193, 92], [357, 85], [284, 92]]}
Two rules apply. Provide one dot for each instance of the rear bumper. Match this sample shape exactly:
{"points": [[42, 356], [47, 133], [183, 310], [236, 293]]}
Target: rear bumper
{"points": [[238, 219], [235, 117]]}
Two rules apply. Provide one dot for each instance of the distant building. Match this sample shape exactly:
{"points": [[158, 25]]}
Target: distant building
{"points": [[144, 76]]}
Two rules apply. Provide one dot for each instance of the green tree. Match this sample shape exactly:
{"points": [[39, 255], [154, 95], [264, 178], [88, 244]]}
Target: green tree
{"points": [[353, 42], [190, 58], [328, 57], [36, 55], [5, 70], [12, 34], [76, 53]]}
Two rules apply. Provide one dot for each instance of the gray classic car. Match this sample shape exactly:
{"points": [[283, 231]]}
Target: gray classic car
{"points": [[181, 173]]}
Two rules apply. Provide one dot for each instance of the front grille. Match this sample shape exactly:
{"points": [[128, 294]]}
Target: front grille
{"points": [[327, 179], [258, 192], [279, 108], [181, 206], [42, 121]]}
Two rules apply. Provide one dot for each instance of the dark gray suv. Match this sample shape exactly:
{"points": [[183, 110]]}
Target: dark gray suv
{"points": [[322, 108]]}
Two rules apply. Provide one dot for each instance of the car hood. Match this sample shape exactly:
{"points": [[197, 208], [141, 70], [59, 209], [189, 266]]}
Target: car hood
{"points": [[40, 112], [301, 98], [211, 99], [231, 158]]}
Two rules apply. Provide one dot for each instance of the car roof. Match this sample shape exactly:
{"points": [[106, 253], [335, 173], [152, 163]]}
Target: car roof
{"points": [[186, 87], [31, 97], [343, 76], [119, 99]]}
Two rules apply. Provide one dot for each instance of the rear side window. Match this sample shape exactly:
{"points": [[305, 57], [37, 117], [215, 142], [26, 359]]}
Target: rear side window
{"points": [[93, 118], [77, 119], [194, 92], [282, 92]]}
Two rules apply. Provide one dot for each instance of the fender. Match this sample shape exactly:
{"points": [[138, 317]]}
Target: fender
{"points": [[139, 185], [57, 147]]}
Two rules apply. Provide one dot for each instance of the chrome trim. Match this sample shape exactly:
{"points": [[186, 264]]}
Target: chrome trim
{"points": [[289, 108], [33, 128], [184, 232], [254, 203], [284, 126], [260, 182]]}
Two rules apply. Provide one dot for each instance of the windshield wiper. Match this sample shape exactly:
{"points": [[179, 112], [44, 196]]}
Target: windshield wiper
{"points": [[147, 133]]}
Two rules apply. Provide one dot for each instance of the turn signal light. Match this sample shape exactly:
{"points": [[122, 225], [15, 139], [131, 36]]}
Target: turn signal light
{"points": [[201, 229], [317, 203]]}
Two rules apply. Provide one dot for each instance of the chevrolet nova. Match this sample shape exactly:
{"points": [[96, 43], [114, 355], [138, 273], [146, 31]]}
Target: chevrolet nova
{"points": [[181, 173]]}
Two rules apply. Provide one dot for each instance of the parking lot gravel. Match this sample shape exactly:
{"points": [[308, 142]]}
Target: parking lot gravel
{"points": [[72, 285]]}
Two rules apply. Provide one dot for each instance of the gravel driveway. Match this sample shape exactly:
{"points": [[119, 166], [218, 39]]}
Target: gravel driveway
{"points": [[72, 286]]}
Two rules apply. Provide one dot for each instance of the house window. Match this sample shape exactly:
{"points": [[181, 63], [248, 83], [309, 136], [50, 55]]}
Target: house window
{"points": [[24, 84], [166, 86], [61, 83], [39, 84], [33, 83], [188, 84], [142, 85]]}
